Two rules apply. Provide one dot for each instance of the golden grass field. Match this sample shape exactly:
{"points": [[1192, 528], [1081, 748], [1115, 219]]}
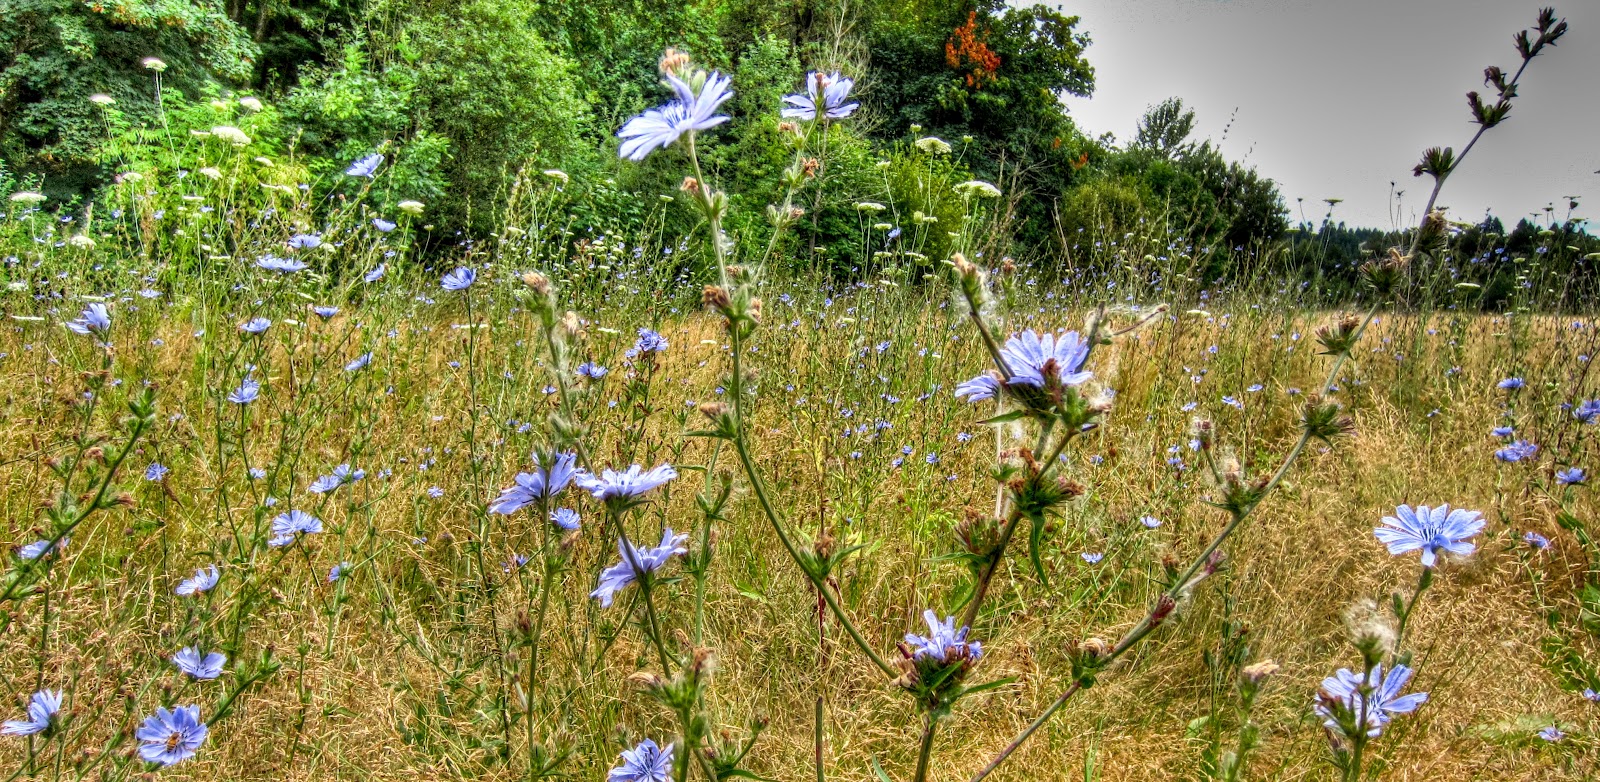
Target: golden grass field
{"points": [[352, 695]]}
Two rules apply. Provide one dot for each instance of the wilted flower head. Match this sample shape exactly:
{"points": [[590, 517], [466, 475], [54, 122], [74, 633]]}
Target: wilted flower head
{"points": [[1430, 530], [634, 563], [827, 93], [1341, 697], [644, 763], [542, 483], [95, 319], [202, 581], [191, 662], [662, 126], [168, 737], [42, 709]]}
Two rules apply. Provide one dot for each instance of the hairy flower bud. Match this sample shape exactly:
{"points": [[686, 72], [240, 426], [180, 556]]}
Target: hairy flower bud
{"points": [[538, 282], [717, 298], [1257, 671], [675, 62]]}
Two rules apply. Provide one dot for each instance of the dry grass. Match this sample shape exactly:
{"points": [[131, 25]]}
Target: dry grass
{"points": [[1291, 575]]}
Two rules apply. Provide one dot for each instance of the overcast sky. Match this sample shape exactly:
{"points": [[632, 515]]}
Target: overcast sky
{"points": [[1337, 98]]}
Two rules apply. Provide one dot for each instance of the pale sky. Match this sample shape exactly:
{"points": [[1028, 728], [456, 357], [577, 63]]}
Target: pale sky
{"points": [[1337, 98]]}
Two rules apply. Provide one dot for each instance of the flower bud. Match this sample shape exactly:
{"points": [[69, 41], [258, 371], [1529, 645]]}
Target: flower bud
{"points": [[1255, 672], [538, 282]]}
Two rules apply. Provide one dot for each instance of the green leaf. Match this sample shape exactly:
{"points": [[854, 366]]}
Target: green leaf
{"points": [[1035, 543], [883, 776], [1003, 418], [986, 686], [739, 773]]}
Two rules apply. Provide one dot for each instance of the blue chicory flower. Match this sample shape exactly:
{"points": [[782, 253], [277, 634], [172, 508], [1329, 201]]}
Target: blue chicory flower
{"points": [[943, 641], [1430, 530], [644, 763], [542, 483], [662, 126], [827, 93], [202, 581], [636, 562], [366, 166], [95, 319], [206, 667], [169, 737], [1344, 688], [42, 709]]}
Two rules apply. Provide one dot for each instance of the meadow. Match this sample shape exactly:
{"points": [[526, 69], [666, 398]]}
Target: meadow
{"points": [[291, 496]]}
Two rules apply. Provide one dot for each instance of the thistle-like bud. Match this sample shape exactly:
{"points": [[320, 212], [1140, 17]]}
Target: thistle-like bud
{"points": [[690, 185], [1163, 609], [810, 166], [1384, 276], [702, 661], [1257, 671], [1091, 650], [675, 62], [1339, 338], [647, 681], [1204, 431], [538, 282], [717, 298], [1371, 630], [1436, 162], [1323, 419], [1485, 114], [571, 323], [979, 535]]}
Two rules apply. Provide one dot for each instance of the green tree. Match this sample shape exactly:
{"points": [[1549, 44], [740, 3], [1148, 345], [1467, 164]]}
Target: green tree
{"points": [[55, 54]]}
